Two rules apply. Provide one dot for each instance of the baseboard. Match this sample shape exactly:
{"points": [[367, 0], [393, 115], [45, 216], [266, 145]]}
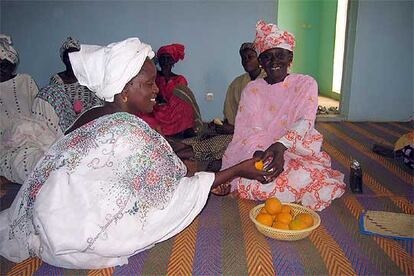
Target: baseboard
{"points": [[330, 118]]}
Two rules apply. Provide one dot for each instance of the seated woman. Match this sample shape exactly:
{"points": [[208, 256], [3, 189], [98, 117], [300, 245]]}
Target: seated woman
{"points": [[112, 187], [17, 92], [65, 82], [53, 109], [171, 116], [275, 122]]}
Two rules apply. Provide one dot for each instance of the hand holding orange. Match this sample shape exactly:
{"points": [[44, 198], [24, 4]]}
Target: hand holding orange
{"points": [[259, 165]]}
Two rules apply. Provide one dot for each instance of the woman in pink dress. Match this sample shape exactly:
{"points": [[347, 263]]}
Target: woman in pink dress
{"points": [[171, 116], [275, 121]]}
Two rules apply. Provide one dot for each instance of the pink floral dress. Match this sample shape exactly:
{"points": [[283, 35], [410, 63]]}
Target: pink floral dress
{"points": [[284, 112]]}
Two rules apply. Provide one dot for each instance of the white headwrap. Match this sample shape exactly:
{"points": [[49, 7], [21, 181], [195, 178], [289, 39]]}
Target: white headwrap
{"points": [[7, 51], [106, 70]]}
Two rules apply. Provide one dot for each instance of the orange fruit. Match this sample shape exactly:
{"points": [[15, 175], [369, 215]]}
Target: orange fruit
{"points": [[259, 165], [273, 205], [297, 225], [263, 211], [306, 219], [286, 209], [265, 219], [280, 225], [284, 218]]}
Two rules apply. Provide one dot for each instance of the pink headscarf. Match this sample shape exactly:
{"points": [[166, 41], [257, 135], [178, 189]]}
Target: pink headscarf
{"points": [[269, 36], [176, 51]]}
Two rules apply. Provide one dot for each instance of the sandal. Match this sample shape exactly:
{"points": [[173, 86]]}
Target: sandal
{"points": [[383, 151], [322, 110], [333, 110], [222, 189]]}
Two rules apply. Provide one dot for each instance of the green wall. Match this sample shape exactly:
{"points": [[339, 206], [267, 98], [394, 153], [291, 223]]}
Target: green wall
{"points": [[313, 24]]}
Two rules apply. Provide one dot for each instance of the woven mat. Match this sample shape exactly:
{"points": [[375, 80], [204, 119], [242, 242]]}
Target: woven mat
{"points": [[223, 241], [388, 224]]}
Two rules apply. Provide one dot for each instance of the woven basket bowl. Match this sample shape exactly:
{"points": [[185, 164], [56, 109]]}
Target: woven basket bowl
{"points": [[286, 235]]}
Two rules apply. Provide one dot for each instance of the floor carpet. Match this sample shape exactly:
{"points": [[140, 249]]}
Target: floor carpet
{"points": [[223, 240]]}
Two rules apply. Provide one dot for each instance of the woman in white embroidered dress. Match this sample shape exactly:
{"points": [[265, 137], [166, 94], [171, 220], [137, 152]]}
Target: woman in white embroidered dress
{"points": [[275, 121], [17, 94], [112, 187]]}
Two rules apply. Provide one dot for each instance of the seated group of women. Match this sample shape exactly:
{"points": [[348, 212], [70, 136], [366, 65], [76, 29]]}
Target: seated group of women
{"points": [[113, 186], [31, 119]]}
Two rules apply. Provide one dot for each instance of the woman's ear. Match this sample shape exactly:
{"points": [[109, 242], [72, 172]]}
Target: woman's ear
{"points": [[290, 57], [260, 61], [124, 94]]}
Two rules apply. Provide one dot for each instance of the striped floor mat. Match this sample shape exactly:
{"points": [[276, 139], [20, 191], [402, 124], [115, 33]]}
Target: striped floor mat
{"points": [[222, 239]]}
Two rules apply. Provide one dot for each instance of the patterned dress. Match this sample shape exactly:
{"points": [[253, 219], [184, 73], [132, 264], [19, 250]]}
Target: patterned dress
{"points": [[80, 97], [102, 193], [284, 112], [233, 95]]}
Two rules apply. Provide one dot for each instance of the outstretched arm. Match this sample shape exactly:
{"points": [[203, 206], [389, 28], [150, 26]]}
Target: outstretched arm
{"points": [[244, 169]]}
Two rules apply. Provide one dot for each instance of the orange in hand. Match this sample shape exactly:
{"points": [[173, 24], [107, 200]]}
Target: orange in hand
{"points": [[259, 165]]}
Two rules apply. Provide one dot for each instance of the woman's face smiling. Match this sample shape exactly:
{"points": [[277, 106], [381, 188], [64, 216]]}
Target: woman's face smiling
{"points": [[275, 62], [141, 91]]}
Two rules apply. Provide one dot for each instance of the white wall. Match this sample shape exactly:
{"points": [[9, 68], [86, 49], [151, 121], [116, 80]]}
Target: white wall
{"points": [[211, 30], [382, 77]]}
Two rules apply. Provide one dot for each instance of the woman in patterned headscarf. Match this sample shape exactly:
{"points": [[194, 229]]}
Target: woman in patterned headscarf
{"points": [[69, 45], [172, 116], [275, 122], [64, 95], [113, 186], [17, 93]]}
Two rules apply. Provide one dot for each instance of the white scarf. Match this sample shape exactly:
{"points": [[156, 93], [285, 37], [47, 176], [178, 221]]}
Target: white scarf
{"points": [[106, 70]]}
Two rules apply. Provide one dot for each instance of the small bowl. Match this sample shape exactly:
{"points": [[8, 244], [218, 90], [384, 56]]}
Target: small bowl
{"points": [[286, 235]]}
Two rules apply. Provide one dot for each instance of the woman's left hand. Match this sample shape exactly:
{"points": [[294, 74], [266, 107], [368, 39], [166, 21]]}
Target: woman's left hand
{"points": [[274, 160]]}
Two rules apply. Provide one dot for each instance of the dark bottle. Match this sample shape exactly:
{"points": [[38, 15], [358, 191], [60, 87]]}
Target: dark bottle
{"points": [[355, 177]]}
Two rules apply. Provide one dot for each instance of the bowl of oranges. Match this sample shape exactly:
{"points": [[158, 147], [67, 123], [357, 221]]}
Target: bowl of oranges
{"points": [[287, 221]]}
